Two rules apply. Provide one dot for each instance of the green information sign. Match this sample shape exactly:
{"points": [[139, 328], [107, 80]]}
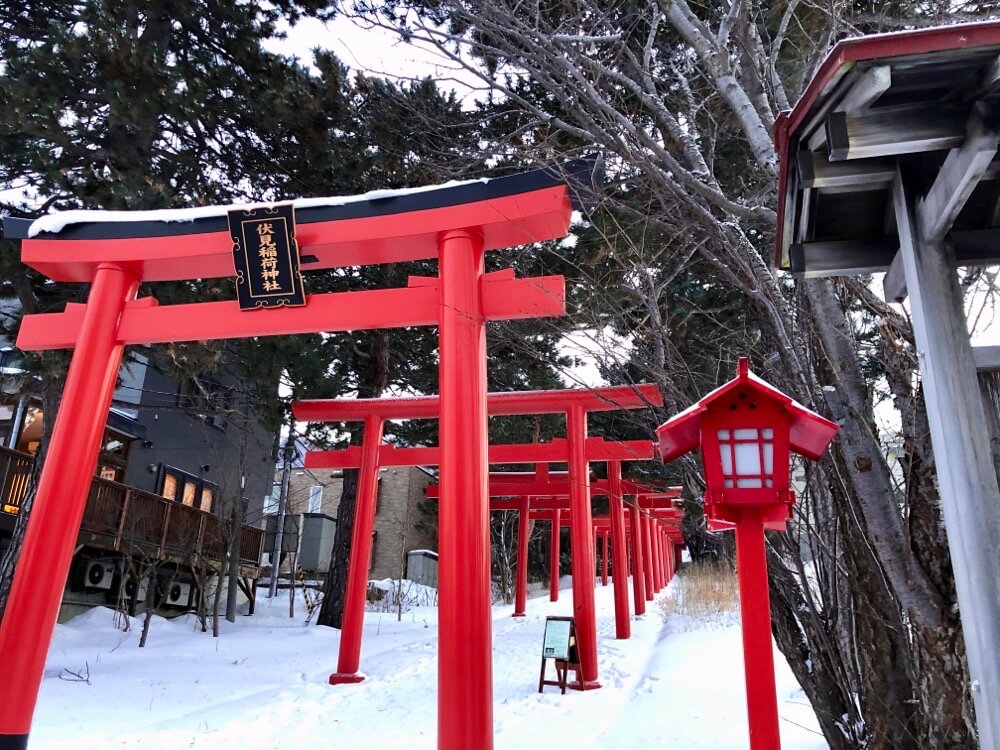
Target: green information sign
{"points": [[556, 643]]}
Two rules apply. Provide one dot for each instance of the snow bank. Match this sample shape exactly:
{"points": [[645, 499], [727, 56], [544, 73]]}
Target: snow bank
{"points": [[411, 593], [263, 686]]}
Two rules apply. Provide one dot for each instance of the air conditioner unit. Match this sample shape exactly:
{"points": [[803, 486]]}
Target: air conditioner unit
{"points": [[135, 589], [178, 595], [98, 575]]}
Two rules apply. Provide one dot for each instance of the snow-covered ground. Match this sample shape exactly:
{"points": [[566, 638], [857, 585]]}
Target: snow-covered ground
{"points": [[263, 685]]}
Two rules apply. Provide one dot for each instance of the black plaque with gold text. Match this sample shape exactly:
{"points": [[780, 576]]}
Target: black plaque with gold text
{"points": [[266, 256]]}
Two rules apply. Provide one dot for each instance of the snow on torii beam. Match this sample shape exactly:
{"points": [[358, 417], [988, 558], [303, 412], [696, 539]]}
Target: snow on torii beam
{"points": [[383, 226], [117, 251]]}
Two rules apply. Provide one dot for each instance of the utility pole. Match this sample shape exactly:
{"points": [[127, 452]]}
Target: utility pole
{"points": [[289, 455]]}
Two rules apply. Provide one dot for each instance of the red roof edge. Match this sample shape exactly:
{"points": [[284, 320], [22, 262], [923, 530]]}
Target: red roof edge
{"points": [[680, 435]]}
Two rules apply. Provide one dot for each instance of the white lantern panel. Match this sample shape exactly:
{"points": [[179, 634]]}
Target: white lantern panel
{"points": [[726, 452], [747, 458]]}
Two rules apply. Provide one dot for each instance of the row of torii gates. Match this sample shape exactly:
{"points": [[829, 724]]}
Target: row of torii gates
{"points": [[745, 449], [649, 544], [871, 98]]}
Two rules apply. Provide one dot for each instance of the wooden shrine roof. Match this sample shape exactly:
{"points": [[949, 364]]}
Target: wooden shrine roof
{"points": [[876, 102]]}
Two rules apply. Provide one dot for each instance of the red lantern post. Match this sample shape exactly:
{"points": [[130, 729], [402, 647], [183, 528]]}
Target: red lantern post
{"points": [[746, 430]]}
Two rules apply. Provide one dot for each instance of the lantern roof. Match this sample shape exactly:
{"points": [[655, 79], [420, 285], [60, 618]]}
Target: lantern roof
{"points": [[809, 434]]}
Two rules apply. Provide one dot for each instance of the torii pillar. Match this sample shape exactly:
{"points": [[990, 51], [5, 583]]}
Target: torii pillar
{"points": [[647, 558], [638, 564], [616, 510], [521, 583], [554, 554]]}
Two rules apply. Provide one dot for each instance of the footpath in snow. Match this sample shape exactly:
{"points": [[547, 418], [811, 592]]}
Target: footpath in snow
{"points": [[262, 684]]}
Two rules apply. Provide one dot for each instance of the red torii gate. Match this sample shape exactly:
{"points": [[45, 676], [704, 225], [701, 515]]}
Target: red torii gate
{"points": [[660, 507], [665, 541], [667, 558], [116, 251], [513, 484], [463, 524], [349, 659]]}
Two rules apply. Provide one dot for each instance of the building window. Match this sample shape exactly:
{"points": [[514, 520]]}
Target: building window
{"points": [[271, 501], [316, 498], [185, 488]]}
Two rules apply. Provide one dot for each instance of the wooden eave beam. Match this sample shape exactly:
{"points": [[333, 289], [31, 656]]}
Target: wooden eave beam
{"points": [[816, 171], [813, 260], [987, 358], [990, 82], [816, 260], [895, 131], [865, 91], [962, 170]]}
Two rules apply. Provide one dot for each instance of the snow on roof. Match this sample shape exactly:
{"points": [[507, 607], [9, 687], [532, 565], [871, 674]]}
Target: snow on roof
{"points": [[56, 222]]}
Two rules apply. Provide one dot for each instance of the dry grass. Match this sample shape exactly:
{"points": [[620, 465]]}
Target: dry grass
{"points": [[705, 592]]}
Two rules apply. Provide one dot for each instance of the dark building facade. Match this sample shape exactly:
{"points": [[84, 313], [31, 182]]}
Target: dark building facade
{"points": [[181, 457]]}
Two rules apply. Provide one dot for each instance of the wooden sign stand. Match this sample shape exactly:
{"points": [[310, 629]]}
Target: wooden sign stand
{"points": [[559, 644]]}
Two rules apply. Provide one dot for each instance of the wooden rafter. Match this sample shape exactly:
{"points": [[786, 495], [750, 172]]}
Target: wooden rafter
{"points": [[895, 131], [861, 95]]}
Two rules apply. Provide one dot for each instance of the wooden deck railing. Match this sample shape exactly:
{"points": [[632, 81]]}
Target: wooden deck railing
{"points": [[158, 526], [127, 517]]}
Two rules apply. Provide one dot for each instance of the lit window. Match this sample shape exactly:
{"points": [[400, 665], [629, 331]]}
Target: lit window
{"points": [[186, 488]]}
